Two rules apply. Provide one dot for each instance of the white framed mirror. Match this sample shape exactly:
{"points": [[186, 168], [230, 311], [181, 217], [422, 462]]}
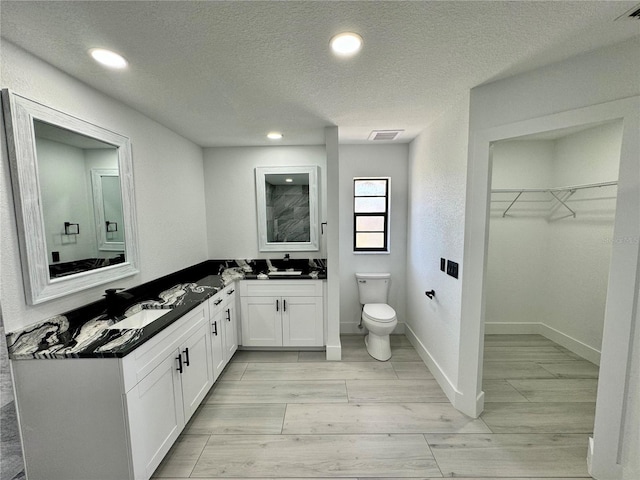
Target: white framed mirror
{"points": [[287, 207], [70, 177]]}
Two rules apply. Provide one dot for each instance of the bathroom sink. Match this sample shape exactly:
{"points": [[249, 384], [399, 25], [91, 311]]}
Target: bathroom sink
{"points": [[139, 320], [284, 273]]}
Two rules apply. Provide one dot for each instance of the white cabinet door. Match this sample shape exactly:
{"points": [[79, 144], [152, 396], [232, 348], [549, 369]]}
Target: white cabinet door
{"points": [[156, 416], [282, 313], [197, 373], [230, 326], [217, 342], [261, 321], [302, 324]]}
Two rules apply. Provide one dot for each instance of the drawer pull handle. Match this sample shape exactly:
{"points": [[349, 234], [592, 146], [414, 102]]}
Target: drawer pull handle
{"points": [[228, 314], [218, 302], [179, 358], [186, 354], [215, 328], [229, 292], [284, 305], [277, 305]]}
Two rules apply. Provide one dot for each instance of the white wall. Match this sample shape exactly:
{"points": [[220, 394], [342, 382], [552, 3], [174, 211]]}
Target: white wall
{"points": [[437, 176], [230, 195], [375, 161], [588, 80], [631, 432], [169, 190], [547, 272], [580, 248], [516, 276], [65, 188]]}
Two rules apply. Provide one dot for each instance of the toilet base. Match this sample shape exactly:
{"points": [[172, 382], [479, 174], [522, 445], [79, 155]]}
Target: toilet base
{"points": [[378, 346]]}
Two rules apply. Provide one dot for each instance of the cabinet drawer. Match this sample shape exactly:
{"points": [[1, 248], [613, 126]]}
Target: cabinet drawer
{"points": [[217, 302], [139, 363], [281, 288]]}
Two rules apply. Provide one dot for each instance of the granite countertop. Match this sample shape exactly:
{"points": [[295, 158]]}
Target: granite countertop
{"points": [[62, 337], [85, 332]]}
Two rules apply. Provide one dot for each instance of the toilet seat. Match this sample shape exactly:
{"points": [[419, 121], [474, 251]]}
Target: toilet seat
{"points": [[379, 312]]}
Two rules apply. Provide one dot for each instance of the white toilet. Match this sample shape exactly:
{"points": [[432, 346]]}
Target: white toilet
{"points": [[379, 318]]}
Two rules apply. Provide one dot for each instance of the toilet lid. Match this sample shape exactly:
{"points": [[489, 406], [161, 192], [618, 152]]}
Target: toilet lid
{"points": [[379, 312]]}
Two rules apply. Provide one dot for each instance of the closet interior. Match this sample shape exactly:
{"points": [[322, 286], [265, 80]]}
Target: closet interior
{"points": [[551, 231]]}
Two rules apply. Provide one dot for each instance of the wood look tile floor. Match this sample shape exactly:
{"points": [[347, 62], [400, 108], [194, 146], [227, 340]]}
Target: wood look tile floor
{"points": [[293, 415]]}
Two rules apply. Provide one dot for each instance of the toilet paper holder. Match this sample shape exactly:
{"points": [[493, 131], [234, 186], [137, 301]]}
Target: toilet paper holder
{"points": [[430, 294]]}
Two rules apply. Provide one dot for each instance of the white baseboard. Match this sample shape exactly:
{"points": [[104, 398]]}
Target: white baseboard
{"points": [[576, 346], [447, 387], [334, 353], [590, 455], [352, 329], [511, 328]]}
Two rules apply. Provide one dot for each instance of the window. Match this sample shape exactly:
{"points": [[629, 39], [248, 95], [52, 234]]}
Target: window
{"points": [[371, 214]]}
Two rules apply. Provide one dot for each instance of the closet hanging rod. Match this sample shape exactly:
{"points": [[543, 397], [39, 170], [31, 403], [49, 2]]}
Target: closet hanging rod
{"points": [[554, 189], [571, 189]]}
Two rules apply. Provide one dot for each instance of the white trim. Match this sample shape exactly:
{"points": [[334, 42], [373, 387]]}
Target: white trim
{"points": [[447, 385], [19, 113], [334, 353], [264, 245], [334, 255], [512, 328], [623, 277], [351, 328], [519, 328], [98, 208]]}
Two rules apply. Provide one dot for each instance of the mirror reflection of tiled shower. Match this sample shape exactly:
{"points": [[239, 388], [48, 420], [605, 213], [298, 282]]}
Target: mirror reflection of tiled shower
{"points": [[287, 213], [11, 461]]}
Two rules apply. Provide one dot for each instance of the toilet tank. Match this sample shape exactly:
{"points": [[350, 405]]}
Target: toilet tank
{"points": [[373, 287]]}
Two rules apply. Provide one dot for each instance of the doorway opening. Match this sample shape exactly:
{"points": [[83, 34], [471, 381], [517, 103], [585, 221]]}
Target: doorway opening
{"points": [[551, 224], [605, 447]]}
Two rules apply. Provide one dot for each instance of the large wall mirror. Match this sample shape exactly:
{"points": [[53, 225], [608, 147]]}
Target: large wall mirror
{"points": [[287, 204], [73, 191]]}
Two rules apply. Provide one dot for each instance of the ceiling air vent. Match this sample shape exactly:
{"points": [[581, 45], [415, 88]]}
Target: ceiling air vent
{"points": [[384, 134], [633, 14]]}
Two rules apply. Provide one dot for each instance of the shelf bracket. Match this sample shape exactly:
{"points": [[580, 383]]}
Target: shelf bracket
{"points": [[504, 214], [562, 202]]}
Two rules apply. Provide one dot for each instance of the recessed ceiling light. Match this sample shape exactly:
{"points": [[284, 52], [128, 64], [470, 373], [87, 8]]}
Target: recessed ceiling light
{"points": [[346, 44], [274, 136], [108, 58], [288, 180]]}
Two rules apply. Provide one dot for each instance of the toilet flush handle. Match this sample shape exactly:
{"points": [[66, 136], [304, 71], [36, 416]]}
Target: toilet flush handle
{"points": [[430, 294]]}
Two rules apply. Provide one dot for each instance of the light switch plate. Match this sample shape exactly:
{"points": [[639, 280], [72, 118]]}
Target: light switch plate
{"points": [[452, 269]]}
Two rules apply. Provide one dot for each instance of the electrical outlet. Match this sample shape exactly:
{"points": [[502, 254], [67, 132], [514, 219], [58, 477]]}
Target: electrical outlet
{"points": [[442, 264], [452, 269]]}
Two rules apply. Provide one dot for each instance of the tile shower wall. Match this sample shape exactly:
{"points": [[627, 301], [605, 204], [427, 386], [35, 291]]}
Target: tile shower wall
{"points": [[288, 213]]}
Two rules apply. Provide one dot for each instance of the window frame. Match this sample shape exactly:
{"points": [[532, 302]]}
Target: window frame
{"points": [[385, 249]]}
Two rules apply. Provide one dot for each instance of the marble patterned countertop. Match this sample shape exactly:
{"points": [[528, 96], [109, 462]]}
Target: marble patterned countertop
{"points": [[59, 337], [85, 332]]}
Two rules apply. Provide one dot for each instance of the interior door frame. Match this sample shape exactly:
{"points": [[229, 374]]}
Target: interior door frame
{"points": [[622, 294]]}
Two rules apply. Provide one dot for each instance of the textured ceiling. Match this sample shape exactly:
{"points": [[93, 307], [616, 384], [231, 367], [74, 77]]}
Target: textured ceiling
{"points": [[226, 73]]}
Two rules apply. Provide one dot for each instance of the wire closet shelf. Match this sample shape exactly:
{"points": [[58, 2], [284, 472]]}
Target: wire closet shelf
{"points": [[561, 194]]}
